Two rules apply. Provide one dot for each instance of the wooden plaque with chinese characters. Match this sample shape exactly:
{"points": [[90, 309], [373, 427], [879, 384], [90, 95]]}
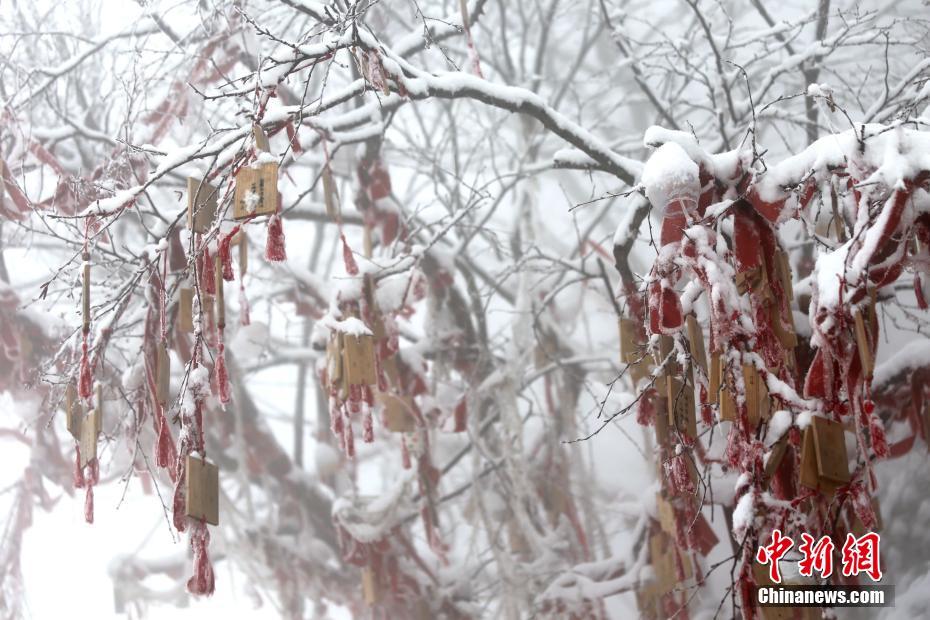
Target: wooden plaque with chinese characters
{"points": [[201, 205], [830, 449], [90, 428], [256, 191], [359, 359], [202, 480], [185, 310]]}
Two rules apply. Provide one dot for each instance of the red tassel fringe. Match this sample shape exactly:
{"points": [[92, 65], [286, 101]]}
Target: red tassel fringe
{"points": [[225, 258], [202, 583], [348, 258], [879, 442], [207, 279], [78, 470], [222, 375], [274, 246]]}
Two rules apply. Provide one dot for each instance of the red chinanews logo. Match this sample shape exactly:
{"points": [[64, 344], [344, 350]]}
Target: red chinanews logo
{"points": [[859, 555]]}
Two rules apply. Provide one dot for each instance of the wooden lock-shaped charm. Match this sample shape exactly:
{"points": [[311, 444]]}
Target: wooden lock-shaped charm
{"points": [[256, 190], [202, 493], [358, 355], [90, 430], [74, 412], [162, 374], [824, 463], [201, 205]]}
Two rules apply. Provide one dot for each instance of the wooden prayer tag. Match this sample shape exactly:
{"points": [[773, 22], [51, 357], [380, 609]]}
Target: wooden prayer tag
{"points": [[864, 344], [666, 344], [665, 514], [830, 449], [334, 358], [369, 585], [785, 333], [776, 454], [783, 268], [90, 428], [201, 205], [98, 410], [162, 374], [681, 414], [714, 378], [74, 413], [696, 339], [663, 563], [359, 359], [202, 480], [256, 190], [185, 310], [756, 394], [397, 416], [631, 353], [261, 138]]}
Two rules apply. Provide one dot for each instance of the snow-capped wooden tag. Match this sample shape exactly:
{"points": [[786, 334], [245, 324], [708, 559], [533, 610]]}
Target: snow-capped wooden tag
{"points": [[256, 190], [74, 412], [85, 293], [830, 449], [90, 429], [398, 416], [369, 585], [330, 196], [681, 414], [261, 138], [162, 374], [864, 344], [201, 205], [359, 359], [219, 299], [202, 482], [185, 310], [696, 340]]}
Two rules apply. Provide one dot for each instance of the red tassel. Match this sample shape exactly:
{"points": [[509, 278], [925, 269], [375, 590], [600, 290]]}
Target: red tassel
{"points": [[348, 258], [89, 504], [877, 432], [274, 246], [86, 378], [207, 280], [349, 438], [244, 318], [202, 583], [78, 470], [165, 454], [405, 453], [222, 376], [369, 435], [225, 258], [179, 505]]}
